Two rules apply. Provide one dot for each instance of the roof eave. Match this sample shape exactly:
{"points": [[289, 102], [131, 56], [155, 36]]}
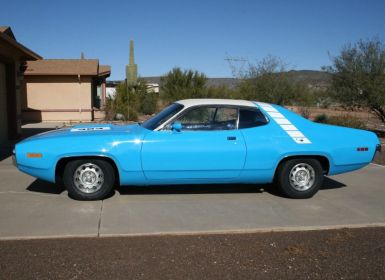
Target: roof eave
{"points": [[59, 74], [105, 74], [27, 53]]}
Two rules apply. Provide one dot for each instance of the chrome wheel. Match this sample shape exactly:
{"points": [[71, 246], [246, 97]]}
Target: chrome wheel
{"points": [[88, 178], [302, 177]]}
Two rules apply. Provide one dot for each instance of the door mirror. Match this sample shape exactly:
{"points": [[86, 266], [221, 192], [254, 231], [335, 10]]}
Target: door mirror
{"points": [[176, 126]]}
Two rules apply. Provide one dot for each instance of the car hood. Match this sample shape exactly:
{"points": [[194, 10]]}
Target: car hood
{"points": [[88, 130]]}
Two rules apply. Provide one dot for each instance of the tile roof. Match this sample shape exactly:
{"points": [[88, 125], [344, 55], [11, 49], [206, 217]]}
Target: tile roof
{"points": [[85, 67]]}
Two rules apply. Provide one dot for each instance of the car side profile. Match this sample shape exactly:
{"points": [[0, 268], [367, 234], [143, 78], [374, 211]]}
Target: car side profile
{"points": [[198, 141]]}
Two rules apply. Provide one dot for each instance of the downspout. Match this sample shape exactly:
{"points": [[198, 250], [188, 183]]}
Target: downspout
{"points": [[80, 91]]}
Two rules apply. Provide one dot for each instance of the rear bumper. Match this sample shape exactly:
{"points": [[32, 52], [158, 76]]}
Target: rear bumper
{"points": [[14, 162], [378, 150]]}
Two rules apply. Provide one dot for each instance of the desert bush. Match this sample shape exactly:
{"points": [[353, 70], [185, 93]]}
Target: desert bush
{"points": [[321, 118], [148, 102], [304, 112], [181, 84], [130, 100], [118, 105], [221, 92], [344, 120], [358, 76], [268, 81]]}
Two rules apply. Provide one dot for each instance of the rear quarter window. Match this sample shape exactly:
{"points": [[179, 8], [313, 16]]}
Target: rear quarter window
{"points": [[251, 118]]}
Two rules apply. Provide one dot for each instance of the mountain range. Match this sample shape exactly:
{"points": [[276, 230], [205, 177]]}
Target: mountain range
{"points": [[311, 78]]}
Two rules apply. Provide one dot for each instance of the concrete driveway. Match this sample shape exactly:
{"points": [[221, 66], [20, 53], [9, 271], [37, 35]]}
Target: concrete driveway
{"points": [[32, 208]]}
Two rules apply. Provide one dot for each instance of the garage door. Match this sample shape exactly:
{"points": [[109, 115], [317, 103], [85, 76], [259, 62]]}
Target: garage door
{"points": [[3, 105]]}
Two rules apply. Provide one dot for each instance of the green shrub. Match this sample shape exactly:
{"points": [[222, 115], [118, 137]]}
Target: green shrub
{"points": [[148, 102], [182, 84]]}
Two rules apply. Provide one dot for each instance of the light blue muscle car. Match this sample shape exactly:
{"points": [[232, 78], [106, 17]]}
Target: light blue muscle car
{"points": [[198, 141]]}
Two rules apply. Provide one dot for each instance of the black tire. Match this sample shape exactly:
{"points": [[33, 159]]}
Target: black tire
{"points": [[104, 183], [291, 187]]}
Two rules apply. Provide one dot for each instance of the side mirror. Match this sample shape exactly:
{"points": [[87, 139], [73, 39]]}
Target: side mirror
{"points": [[176, 126]]}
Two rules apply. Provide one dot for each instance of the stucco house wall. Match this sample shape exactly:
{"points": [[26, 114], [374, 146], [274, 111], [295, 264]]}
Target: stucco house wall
{"points": [[57, 98], [64, 90]]}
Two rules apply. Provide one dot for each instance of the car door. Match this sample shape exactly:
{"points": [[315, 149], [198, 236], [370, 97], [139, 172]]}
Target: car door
{"points": [[263, 145], [208, 147]]}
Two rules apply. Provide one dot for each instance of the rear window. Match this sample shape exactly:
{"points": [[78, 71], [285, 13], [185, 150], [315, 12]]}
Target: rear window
{"points": [[251, 118]]}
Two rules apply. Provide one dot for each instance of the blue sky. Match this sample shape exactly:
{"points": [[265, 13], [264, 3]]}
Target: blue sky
{"points": [[196, 34]]}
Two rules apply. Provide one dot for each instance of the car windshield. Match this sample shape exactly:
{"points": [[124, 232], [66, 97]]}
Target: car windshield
{"points": [[163, 116]]}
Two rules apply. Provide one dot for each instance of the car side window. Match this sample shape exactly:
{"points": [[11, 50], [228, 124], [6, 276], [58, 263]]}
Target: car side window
{"points": [[251, 118], [225, 118], [198, 119], [209, 118]]}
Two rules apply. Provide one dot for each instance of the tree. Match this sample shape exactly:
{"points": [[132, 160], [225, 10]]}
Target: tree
{"points": [[178, 84], [358, 76], [268, 81]]}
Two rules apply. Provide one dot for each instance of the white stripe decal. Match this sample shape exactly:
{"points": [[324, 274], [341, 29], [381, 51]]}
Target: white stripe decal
{"points": [[288, 127], [285, 124], [269, 109], [276, 115], [283, 121], [295, 133], [75, 129]]}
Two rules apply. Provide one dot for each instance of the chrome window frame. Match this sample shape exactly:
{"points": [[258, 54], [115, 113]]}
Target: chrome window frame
{"points": [[186, 109]]}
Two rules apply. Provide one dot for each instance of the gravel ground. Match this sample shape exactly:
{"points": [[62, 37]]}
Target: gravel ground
{"points": [[330, 254]]}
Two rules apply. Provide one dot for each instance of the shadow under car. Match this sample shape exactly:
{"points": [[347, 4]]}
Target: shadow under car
{"points": [[46, 187]]}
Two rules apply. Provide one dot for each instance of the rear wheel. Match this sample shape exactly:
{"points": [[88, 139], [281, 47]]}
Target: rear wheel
{"points": [[89, 179], [300, 178]]}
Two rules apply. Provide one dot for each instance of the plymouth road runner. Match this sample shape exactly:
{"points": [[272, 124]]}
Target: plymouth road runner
{"points": [[198, 141]]}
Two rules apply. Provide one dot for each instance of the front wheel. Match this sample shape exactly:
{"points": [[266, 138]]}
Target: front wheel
{"points": [[88, 179], [300, 178]]}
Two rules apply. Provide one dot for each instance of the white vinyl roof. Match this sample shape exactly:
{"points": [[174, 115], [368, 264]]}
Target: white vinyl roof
{"points": [[205, 101]]}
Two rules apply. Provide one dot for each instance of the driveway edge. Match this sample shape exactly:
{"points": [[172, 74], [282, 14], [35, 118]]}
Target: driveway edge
{"points": [[212, 232]]}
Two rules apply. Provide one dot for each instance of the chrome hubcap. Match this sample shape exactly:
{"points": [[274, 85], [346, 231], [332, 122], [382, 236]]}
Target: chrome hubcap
{"points": [[88, 178], [302, 177]]}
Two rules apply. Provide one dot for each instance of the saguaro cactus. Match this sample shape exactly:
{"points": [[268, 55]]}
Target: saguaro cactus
{"points": [[131, 68]]}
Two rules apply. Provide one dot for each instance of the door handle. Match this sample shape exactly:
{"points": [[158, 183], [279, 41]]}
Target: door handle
{"points": [[231, 138]]}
